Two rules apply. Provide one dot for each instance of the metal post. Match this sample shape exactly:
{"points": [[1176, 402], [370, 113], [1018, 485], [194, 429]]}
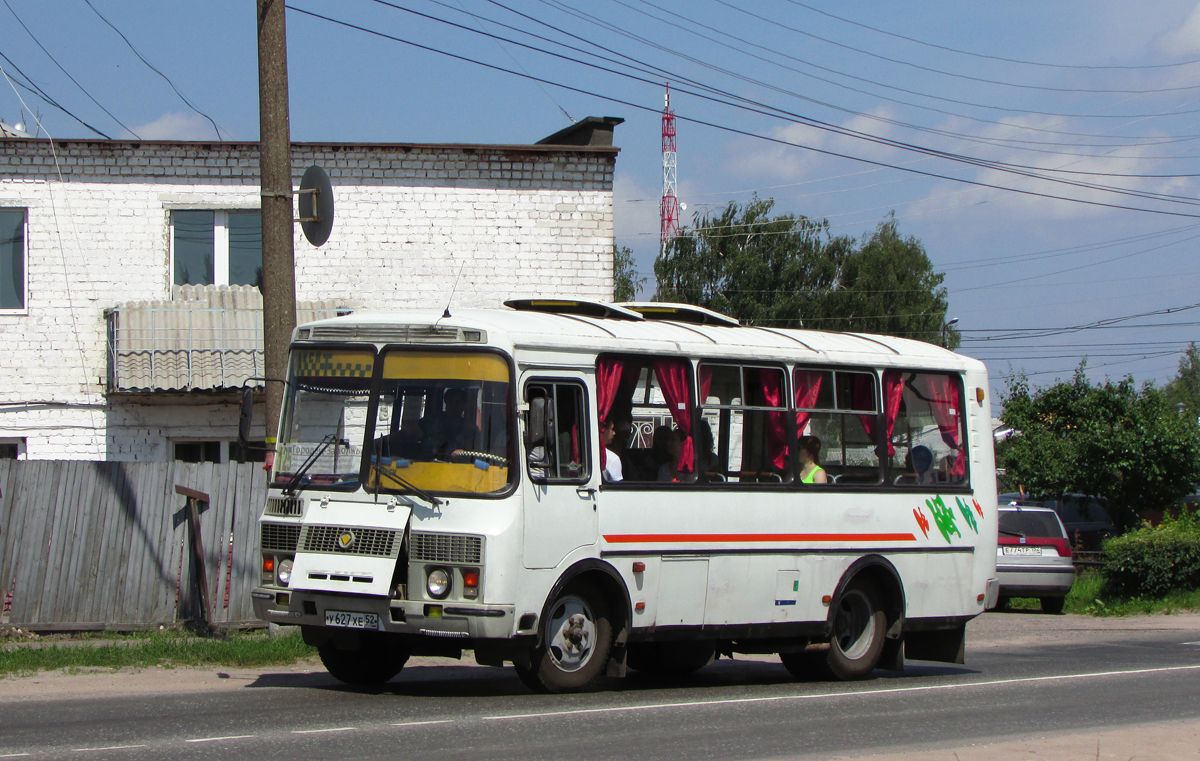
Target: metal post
{"points": [[279, 272]]}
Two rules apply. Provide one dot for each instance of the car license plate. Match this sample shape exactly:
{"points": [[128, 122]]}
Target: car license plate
{"points": [[351, 620], [1022, 550]]}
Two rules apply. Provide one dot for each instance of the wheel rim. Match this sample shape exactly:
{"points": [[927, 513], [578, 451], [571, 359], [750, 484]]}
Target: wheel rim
{"points": [[572, 633], [853, 626]]}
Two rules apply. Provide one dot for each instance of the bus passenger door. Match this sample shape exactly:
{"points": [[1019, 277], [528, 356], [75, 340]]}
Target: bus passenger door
{"points": [[559, 494]]}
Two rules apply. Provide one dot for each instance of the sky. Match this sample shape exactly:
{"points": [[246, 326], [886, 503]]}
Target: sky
{"points": [[937, 112]]}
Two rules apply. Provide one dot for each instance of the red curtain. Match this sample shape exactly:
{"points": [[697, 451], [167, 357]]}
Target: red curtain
{"points": [[770, 383], [945, 400], [862, 387], [608, 380], [808, 388], [672, 376]]}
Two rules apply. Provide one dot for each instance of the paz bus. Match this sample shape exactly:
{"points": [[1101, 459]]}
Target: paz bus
{"points": [[448, 483]]}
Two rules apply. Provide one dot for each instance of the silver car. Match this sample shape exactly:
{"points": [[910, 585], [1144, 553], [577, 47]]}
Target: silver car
{"points": [[1033, 558]]}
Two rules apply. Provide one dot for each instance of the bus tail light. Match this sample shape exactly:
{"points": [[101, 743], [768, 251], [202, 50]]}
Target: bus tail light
{"points": [[470, 583]]}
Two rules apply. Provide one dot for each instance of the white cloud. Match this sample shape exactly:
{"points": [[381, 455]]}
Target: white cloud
{"points": [[1183, 40], [176, 126]]}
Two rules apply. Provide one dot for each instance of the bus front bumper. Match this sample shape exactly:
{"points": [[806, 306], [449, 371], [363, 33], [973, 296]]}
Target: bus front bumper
{"points": [[450, 619]]}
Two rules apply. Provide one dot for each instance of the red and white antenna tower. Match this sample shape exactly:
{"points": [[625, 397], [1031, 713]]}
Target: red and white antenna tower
{"points": [[669, 207]]}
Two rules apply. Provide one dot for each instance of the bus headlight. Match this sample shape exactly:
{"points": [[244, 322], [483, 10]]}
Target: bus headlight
{"points": [[438, 583], [285, 571]]}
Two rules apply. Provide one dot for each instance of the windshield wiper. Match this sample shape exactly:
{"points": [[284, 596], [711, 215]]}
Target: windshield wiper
{"points": [[395, 476], [309, 461], [1012, 533]]}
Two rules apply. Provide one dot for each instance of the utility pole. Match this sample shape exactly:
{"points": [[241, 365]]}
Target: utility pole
{"points": [[275, 162]]}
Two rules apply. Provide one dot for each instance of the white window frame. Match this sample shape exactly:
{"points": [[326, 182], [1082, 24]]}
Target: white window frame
{"points": [[220, 241], [24, 308]]}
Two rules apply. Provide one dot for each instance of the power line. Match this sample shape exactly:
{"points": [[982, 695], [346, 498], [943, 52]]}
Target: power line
{"points": [[50, 55], [155, 69], [777, 113], [32, 87], [780, 53], [983, 80], [974, 54]]}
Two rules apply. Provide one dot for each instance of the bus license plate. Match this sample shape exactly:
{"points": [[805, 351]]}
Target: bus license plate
{"points": [[1022, 550], [350, 620]]}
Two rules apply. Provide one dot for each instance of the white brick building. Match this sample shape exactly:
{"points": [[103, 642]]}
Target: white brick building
{"points": [[104, 354]]}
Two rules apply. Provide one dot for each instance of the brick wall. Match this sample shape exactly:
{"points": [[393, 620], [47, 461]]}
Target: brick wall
{"points": [[410, 221]]}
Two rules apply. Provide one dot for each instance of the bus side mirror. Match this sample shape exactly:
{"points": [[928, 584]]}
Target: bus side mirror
{"points": [[245, 415], [536, 436]]}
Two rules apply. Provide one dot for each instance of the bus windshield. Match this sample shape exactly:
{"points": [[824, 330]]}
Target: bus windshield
{"points": [[324, 419], [442, 424]]}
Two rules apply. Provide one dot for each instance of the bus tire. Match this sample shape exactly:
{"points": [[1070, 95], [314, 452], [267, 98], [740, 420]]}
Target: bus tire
{"points": [[575, 645], [858, 629], [377, 660], [671, 658]]}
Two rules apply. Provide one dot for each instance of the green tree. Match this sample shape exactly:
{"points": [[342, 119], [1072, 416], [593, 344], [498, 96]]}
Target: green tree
{"points": [[887, 285], [788, 271], [1112, 440], [1185, 387], [626, 282]]}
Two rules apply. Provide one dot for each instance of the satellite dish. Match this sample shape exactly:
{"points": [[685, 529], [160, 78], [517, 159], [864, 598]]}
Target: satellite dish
{"points": [[316, 205]]}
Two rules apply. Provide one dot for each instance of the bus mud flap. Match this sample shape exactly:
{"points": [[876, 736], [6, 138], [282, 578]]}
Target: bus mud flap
{"points": [[944, 645]]}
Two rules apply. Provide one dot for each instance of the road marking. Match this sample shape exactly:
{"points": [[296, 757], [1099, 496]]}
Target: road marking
{"points": [[319, 731], [851, 694], [108, 747], [14, 755], [218, 739], [1192, 643], [422, 723]]}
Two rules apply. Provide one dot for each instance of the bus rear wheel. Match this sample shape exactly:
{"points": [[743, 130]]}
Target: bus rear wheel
{"points": [[855, 641], [375, 662], [576, 640]]}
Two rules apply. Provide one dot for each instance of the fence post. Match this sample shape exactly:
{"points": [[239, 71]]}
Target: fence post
{"points": [[194, 500]]}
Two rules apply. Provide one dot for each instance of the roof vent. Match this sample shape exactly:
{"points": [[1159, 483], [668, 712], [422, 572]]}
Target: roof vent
{"points": [[652, 310], [581, 307]]}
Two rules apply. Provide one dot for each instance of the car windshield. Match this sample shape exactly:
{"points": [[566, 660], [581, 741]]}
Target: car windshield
{"points": [[324, 419], [442, 424], [1029, 523]]}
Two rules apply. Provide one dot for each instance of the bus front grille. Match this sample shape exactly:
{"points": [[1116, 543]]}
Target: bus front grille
{"points": [[292, 506], [352, 540], [446, 548], [279, 537]]}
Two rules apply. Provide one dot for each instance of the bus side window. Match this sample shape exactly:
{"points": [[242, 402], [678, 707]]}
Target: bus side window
{"points": [[565, 450]]}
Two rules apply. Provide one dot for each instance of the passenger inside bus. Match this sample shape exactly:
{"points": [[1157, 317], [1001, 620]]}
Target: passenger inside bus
{"points": [[612, 461], [809, 450], [667, 447]]}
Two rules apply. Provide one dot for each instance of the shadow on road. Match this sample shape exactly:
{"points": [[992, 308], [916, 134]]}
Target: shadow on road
{"points": [[471, 681]]}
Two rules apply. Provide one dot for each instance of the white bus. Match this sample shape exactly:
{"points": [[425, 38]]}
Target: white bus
{"points": [[442, 484]]}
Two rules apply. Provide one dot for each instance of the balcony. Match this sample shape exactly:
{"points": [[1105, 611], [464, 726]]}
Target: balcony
{"points": [[207, 338]]}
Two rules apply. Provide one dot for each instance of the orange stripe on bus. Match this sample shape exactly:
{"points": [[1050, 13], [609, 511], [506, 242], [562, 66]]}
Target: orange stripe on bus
{"points": [[707, 538]]}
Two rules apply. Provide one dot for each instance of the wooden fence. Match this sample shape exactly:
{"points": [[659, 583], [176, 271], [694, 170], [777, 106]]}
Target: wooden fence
{"points": [[107, 545]]}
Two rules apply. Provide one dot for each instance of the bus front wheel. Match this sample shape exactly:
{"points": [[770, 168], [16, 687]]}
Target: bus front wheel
{"points": [[375, 662], [576, 640], [855, 641]]}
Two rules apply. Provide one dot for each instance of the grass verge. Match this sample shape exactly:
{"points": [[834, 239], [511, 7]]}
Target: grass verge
{"points": [[162, 649], [1087, 597]]}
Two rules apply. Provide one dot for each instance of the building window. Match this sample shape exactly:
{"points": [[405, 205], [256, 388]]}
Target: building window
{"points": [[218, 451], [12, 258], [216, 247], [12, 449]]}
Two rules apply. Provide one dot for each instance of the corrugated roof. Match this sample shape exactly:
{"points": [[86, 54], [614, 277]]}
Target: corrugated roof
{"points": [[205, 338]]}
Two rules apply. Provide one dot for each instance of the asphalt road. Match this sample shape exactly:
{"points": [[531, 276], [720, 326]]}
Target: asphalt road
{"points": [[1026, 674]]}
